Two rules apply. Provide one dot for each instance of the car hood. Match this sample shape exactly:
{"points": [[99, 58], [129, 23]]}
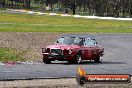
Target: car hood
{"points": [[63, 46]]}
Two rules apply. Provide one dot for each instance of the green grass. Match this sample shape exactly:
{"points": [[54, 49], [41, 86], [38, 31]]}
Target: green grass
{"points": [[8, 54], [34, 23]]}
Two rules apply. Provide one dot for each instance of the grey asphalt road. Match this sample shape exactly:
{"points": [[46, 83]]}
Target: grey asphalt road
{"points": [[117, 60]]}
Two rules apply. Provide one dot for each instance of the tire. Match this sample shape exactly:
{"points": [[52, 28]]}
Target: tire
{"points": [[81, 80], [97, 60], [70, 62], [78, 58], [46, 61]]}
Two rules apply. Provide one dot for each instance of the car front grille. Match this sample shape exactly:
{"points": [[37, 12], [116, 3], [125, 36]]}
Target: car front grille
{"points": [[57, 51]]}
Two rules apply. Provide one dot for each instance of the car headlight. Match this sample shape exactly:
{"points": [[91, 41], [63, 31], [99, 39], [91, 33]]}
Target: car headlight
{"points": [[65, 51], [70, 51], [45, 50]]}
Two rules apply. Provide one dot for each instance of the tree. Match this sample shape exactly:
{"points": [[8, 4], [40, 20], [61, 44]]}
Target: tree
{"points": [[69, 4], [51, 2]]}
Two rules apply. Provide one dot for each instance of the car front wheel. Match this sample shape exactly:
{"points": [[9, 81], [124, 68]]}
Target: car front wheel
{"points": [[46, 61], [78, 58]]}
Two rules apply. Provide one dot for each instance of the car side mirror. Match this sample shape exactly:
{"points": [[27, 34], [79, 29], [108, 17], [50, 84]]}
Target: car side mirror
{"points": [[80, 44], [56, 42]]}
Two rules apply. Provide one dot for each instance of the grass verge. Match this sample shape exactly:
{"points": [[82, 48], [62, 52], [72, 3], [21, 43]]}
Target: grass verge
{"points": [[36, 23], [8, 54]]}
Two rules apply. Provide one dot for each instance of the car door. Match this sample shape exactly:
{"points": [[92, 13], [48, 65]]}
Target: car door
{"points": [[89, 49], [87, 52]]}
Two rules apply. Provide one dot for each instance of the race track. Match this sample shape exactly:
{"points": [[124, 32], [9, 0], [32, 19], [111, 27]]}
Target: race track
{"points": [[117, 60]]}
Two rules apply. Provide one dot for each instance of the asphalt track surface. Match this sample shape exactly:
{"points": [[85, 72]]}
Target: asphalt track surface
{"points": [[117, 60]]}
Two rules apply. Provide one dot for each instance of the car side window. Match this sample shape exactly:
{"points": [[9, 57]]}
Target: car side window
{"points": [[89, 42], [78, 41]]}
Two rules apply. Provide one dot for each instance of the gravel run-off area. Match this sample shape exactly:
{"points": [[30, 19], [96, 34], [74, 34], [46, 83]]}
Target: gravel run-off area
{"points": [[57, 83], [31, 42]]}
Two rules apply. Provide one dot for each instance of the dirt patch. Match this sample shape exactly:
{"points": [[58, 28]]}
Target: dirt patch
{"points": [[31, 42]]}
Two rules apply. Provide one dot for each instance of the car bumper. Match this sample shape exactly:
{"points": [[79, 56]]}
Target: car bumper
{"points": [[53, 57]]}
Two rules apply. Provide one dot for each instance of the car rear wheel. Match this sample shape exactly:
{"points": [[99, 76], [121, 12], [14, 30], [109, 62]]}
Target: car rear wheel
{"points": [[97, 60]]}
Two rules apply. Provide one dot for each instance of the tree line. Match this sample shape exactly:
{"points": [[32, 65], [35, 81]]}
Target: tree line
{"points": [[113, 8], [15, 3]]}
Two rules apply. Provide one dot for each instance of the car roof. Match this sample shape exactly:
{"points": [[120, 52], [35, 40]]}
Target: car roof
{"points": [[79, 36]]}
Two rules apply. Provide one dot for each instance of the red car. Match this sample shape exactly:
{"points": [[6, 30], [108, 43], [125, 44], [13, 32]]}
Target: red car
{"points": [[74, 49]]}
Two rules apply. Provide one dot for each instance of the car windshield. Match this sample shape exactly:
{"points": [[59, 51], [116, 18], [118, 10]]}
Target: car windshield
{"points": [[90, 42], [70, 40]]}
